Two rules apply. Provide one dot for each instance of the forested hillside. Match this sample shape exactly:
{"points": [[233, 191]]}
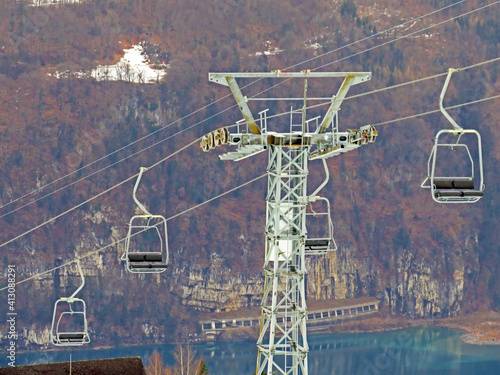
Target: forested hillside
{"points": [[422, 259]]}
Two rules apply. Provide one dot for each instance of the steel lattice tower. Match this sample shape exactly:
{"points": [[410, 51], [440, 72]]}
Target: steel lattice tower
{"points": [[282, 341], [283, 324]]}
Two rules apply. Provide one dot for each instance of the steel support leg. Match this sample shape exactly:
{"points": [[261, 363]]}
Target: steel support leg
{"points": [[282, 341]]}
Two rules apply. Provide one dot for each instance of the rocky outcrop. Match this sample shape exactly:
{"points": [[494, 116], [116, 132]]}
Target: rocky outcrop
{"points": [[410, 287], [34, 336], [216, 287], [407, 282]]}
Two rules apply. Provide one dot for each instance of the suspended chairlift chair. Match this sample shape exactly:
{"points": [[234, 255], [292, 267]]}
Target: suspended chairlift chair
{"points": [[152, 229], [454, 189], [69, 322], [322, 244]]}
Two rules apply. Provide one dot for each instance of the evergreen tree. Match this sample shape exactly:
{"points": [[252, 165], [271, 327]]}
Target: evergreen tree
{"points": [[202, 368]]}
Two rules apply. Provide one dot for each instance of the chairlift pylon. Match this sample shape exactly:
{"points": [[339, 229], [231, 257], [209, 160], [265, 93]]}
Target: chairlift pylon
{"points": [[138, 261], [74, 309], [454, 189], [324, 244]]}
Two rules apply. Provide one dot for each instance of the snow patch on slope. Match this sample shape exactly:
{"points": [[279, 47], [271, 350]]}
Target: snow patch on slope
{"points": [[269, 50], [46, 3], [133, 67]]}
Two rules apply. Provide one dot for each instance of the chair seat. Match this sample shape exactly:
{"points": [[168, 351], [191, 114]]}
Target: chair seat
{"points": [[457, 193], [316, 248], [317, 242], [317, 245], [145, 257], [454, 183], [145, 265], [71, 336]]}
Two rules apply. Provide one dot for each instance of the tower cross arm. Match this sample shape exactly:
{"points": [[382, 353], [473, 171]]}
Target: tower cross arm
{"points": [[221, 78], [350, 79], [242, 105], [227, 79]]}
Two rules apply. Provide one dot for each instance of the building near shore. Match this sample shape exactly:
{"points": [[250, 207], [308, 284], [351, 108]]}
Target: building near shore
{"points": [[321, 315], [113, 366]]}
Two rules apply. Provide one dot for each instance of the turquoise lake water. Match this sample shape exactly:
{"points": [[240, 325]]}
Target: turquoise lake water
{"points": [[413, 351]]}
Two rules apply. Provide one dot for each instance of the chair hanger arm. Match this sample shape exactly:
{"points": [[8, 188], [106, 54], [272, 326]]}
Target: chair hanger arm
{"points": [[141, 171], [327, 172], [441, 97], [71, 298]]}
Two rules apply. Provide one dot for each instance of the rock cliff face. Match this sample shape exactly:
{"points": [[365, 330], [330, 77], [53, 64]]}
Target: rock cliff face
{"points": [[408, 281], [33, 335], [216, 287], [340, 275], [416, 289]]}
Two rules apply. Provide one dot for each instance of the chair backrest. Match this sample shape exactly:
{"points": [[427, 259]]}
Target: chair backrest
{"points": [[69, 336], [147, 261], [455, 189]]}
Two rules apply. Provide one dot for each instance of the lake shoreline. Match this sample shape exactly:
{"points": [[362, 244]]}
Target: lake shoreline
{"points": [[472, 326], [422, 342], [482, 328]]}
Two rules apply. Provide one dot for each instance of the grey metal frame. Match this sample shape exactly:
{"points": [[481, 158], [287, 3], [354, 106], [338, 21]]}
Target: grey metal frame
{"points": [[134, 228], [350, 79], [56, 337], [282, 343], [284, 266], [458, 131], [331, 244], [431, 166]]}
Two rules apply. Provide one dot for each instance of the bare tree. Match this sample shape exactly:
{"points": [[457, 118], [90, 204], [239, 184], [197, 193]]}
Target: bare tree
{"points": [[184, 356], [140, 76], [186, 364], [155, 364]]}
